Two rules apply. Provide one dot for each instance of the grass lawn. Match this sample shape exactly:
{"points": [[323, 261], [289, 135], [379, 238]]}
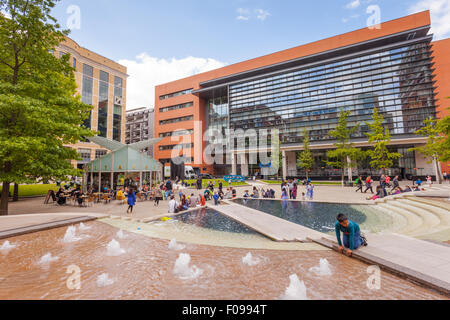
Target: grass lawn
{"points": [[33, 189], [216, 181], [330, 183]]}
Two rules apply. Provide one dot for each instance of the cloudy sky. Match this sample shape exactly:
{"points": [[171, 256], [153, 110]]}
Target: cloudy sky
{"points": [[161, 41]]}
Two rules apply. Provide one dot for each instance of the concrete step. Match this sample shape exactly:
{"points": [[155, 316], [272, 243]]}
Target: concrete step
{"points": [[414, 222], [431, 222], [382, 221], [435, 208]]}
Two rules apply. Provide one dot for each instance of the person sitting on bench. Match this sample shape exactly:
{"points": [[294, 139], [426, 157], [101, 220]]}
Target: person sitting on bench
{"points": [[352, 235], [61, 197]]}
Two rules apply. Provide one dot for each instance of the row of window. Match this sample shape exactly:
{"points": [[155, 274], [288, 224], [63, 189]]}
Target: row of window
{"points": [[175, 120], [177, 107], [103, 94], [420, 71], [85, 154], [386, 97], [351, 64], [177, 133], [175, 94], [177, 146], [166, 161]]}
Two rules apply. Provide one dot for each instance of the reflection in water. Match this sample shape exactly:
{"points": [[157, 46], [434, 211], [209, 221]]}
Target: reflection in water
{"points": [[318, 216], [146, 271], [211, 219]]}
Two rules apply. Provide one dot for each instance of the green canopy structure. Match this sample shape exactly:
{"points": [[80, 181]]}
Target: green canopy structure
{"points": [[123, 162]]}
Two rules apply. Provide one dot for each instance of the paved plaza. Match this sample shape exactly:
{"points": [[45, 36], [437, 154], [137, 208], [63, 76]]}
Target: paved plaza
{"points": [[147, 209]]}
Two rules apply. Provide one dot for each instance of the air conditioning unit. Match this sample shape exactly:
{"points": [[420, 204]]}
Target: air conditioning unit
{"points": [[118, 100]]}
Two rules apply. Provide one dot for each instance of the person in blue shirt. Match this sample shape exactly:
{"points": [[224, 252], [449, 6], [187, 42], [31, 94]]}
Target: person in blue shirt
{"points": [[352, 235], [131, 200], [419, 182], [216, 198]]}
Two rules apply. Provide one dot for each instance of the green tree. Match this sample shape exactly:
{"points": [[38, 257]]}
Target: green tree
{"points": [[444, 129], [40, 113], [305, 159], [434, 147], [380, 137], [345, 156]]}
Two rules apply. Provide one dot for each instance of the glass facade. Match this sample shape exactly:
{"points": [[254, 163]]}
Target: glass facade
{"points": [[396, 81], [218, 114], [117, 119], [103, 92], [87, 89]]}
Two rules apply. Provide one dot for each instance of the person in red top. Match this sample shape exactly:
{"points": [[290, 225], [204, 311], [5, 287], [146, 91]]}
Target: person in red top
{"points": [[202, 200], [388, 181], [369, 184]]}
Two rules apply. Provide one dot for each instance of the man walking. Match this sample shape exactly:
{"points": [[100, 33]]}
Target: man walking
{"points": [[359, 183], [395, 184]]}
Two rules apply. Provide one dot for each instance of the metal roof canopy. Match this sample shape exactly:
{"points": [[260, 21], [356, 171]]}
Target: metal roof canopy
{"points": [[124, 158]]}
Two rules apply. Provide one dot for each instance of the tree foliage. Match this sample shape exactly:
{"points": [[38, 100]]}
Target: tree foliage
{"points": [[434, 147], [345, 150], [40, 113], [305, 159], [380, 137]]}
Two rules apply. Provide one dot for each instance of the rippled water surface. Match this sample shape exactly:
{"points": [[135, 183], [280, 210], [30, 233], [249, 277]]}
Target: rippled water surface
{"points": [[145, 271], [319, 216]]}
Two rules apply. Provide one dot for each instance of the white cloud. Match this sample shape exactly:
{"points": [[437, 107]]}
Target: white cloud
{"points": [[242, 18], [146, 72], [353, 5], [344, 20], [262, 14], [244, 14], [440, 15]]}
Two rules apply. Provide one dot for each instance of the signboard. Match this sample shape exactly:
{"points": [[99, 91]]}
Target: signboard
{"points": [[167, 172], [231, 178], [120, 180]]}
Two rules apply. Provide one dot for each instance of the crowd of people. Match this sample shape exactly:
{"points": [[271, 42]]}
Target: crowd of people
{"points": [[388, 186], [289, 190]]}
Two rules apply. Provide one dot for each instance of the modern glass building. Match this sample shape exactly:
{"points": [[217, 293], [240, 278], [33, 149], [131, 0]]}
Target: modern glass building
{"points": [[101, 83], [306, 87]]}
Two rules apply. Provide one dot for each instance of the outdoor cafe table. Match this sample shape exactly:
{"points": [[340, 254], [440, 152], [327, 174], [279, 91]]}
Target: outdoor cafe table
{"points": [[99, 196]]}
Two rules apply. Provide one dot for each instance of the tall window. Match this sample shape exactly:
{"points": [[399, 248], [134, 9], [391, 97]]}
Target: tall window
{"points": [[103, 91], [117, 120], [87, 89], [74, 63], [85, 154], [100, 153]]}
